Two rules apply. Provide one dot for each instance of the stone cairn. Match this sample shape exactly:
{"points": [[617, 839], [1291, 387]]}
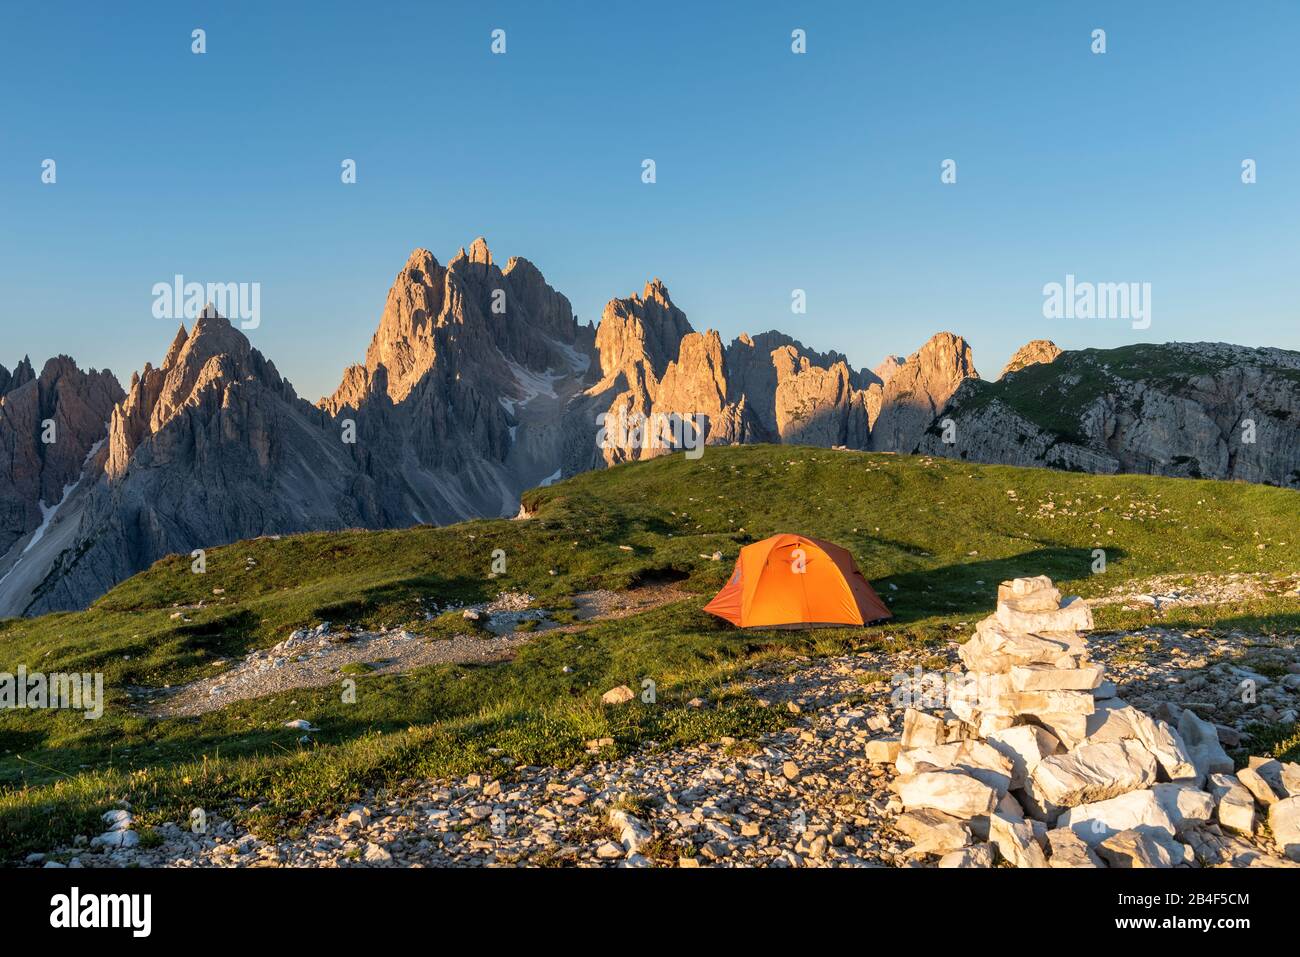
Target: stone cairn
{"points": [[1033, 759]]}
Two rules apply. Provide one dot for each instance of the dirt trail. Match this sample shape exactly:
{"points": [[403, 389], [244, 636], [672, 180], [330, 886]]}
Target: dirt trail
{"points": [[312, 659]]}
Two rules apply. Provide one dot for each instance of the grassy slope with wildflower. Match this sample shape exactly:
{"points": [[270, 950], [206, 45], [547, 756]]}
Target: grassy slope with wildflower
{"points": [[935, 536]]}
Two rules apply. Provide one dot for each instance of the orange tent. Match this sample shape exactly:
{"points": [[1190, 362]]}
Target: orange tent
{"points": [[790, 580]]}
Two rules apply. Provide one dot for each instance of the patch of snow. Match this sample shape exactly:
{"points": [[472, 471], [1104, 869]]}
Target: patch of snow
{"points": [[47, 516], [91, 454], [533, 384], [579, 362]]}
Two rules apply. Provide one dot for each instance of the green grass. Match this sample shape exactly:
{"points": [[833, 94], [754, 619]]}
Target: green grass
{"points": [[942, 533]]}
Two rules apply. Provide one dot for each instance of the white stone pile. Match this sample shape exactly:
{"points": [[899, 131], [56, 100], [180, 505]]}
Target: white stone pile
{"points": [[1031, 757]]}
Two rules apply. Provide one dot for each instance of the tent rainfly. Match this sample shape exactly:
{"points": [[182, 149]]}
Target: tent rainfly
{"points": [[793, 581]]}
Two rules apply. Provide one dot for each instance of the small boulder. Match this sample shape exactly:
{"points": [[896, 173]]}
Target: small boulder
{"points": [[979, 760], [1186, 805], [620, 695], [933, 832], [1015, 842], [1236, 804], [977, 855], [1137, 810], [1138, 849], [1202, 742], [117, 839], [1086, 677], [952, 792], [883, 750], [1074, 614], [1070, 850], [922, 730], [1258, 786], [1094, 772], [1284, 822], [1024, 746]]}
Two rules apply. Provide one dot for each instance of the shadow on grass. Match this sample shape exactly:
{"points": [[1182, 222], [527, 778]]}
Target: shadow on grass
{"points": [[972, 587]]}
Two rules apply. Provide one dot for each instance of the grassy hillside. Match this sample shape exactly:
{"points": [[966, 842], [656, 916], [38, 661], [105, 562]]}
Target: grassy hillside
{"points": [[935, 536]]}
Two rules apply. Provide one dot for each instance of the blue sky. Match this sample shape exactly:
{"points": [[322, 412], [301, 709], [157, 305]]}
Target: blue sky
{"points": [[775, 171]]}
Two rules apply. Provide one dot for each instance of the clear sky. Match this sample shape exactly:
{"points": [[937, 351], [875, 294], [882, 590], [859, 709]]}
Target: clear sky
{"points": [[775, 171]]}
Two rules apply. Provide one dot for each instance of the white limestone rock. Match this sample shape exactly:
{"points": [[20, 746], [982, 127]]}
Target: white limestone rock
{"points": [[1030, 594], [976, 758], [1284, 822], [1067, 849], [1236, 804], [1015, 842], [1098, 820], [952, 792], [1074, 614], [933, 832], [1115, 720], [883, 750], [1187, 806], [1086, 677], [995, 650], [1070, 729], [1132, 848], [1202, 743], [1024, 746], [1258, 786], [921, 730], [1094, 772], [978, 855]]}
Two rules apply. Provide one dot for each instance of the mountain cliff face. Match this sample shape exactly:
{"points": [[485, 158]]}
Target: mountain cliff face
{"points": [[480, 383], [49, 424], [918, 389], [1199, 410]]}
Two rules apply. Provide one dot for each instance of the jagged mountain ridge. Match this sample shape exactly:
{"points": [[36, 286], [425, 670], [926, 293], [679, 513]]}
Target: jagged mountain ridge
{"points": [[478, 383]]}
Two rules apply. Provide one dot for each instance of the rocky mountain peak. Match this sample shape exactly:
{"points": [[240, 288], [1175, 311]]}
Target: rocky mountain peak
{"points": [[479, 252], [1031, 353], [420, 265], [210, 356], [22, 374], [919, 388], [656, 291], [646, 329], [174, 351], [944, 353]]}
